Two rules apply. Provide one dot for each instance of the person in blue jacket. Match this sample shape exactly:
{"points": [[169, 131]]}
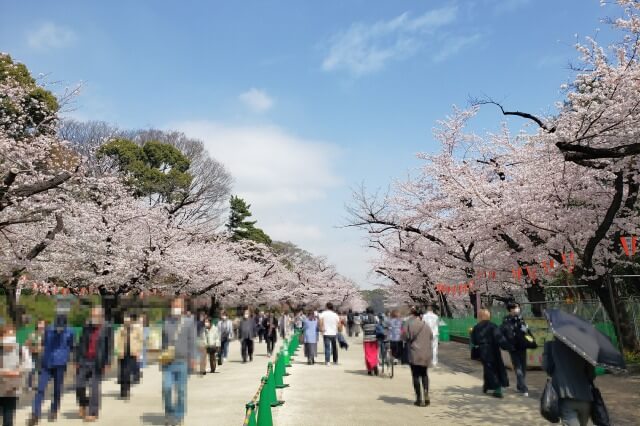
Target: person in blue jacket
{"points": [[58, 345]]}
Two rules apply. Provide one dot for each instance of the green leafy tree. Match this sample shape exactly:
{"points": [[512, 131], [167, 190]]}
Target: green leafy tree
{"points": [[41, 105], [240, 227], [156, 170]]}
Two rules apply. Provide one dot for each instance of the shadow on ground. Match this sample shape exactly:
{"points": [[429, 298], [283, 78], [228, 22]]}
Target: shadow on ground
{"points": [[394, 400], [152, 419]]}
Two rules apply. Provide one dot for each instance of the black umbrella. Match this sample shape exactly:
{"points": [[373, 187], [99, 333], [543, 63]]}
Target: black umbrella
{"points": [[584, 339]]}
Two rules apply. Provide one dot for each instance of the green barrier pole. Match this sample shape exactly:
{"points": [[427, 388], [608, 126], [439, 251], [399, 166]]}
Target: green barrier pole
{"points": [[287, 358], [271, 388], [279, 373], [250, 418], [284, 363], [264, 406]]}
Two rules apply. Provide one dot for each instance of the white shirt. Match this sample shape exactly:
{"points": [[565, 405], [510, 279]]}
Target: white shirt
{"points": [[432, 321], [330, 322]]}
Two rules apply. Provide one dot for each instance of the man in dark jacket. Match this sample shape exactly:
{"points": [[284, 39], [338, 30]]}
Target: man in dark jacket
{"points": [[572, 377], [247, 332], [93, 356], [515, 329], [57, 346]]}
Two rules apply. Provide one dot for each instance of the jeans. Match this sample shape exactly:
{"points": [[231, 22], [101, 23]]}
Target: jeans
{"points": [[519, 361], [175, 375], [8, 404], [224, 349], [57, 374], [330, 345], [247, 349], [36, 368], [89, 375], [574, 412], [420, 381]]}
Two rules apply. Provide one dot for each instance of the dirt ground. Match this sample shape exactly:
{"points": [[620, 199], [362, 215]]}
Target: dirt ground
{"points": [[621, 393]]}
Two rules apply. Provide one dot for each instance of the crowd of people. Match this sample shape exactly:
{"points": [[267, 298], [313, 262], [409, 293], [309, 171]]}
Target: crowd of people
{"points": [[190, 344], [193, 344]]}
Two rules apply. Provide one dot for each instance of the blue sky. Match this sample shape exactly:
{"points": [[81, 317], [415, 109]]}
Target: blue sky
{"points": [[302, 100]]}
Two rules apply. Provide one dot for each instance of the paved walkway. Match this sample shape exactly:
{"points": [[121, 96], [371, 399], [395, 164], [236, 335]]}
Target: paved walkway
{"points": [[346, 395], [215, 399], [318, 395]]}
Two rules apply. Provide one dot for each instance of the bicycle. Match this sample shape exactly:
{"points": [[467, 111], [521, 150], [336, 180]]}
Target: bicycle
{"points": [[387, 361]]}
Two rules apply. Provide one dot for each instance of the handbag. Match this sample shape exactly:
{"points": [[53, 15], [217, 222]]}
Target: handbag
{"points": [[599, 412], [168, 355], [550, 403]]}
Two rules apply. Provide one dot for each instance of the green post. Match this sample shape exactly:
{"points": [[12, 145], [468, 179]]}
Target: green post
{"points": [[279, 373], [264, 406], [287, 358], [271, 388], [250, 418]]}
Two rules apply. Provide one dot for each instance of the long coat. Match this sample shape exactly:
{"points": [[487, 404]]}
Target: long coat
{"points": [[135, 341], [488, 339], [419, 336]]}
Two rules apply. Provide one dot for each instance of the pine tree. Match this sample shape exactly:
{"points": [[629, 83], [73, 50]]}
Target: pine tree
{"points": [[240, 227]]}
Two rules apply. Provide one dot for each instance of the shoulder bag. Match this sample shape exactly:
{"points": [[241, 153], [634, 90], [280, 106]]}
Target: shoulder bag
{"points": [[168, 355]]}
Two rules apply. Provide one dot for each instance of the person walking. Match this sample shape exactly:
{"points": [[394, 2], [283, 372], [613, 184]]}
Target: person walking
{"points": [[350, 322], [128, 346], [370, 342], [57, 347], [433, 322], [143, 326], [212, 344], [329, 321], [270, 330], [310, 333], [572, 378], [225, 327], [93, 358], [260, 331], [418, 336], [201, 354], [515, 329], [246, 334], [395, 336], [357, 324], [486, 341], [177, 357], [15, 364], [35, 343]]}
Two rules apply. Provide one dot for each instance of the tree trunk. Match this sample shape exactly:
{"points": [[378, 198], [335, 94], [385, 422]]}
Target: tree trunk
{"points": [[628, 338], [214, 307], [536, 295], [14, 311]]}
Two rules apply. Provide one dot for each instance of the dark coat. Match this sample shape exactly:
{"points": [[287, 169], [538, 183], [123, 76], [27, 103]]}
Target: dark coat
{"points": [[104, 347], [514, 329], [571, 374], [487, 338], [270, 327]]}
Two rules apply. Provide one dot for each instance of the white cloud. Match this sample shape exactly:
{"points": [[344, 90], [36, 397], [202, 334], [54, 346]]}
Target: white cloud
{"points": [[257, 100], [51, 36], [270, 166], [453, 45], [366, 48]]}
